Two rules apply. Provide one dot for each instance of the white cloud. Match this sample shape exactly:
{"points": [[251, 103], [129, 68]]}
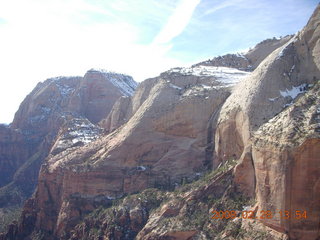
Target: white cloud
{"points": [[177, 22], [220, 6]]}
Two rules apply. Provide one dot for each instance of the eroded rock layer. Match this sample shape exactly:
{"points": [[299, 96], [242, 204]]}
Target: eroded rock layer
{"points": [[52, 110]]}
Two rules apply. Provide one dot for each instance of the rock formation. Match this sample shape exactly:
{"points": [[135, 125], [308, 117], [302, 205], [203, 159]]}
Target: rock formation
{"points": [[250, 60], [164, 141], [286, 156], [274, 143], [53, 108], [258, 134]]}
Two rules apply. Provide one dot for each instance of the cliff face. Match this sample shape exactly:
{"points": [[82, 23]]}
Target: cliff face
{"points": [[165, 141], [100, 91], [278, 145], [13, 147], [250, 60], [286, 163], [279, 79], [258, 132], [53, 108]]}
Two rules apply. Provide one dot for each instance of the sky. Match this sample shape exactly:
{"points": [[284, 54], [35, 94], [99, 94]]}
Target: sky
{"points": [[40, 39]]}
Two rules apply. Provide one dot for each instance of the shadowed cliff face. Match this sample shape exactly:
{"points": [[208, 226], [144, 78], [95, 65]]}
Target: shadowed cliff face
{"points": [[49, 111]]}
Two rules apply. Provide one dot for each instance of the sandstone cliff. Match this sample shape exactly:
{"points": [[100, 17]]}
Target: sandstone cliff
{"points": [[271, 156], [165, 140], [257, 132], [250, 60], [279, 79], [286, 164], [49, 111]]}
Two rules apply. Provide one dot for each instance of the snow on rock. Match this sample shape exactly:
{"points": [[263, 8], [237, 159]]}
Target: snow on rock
{"points": [[141, 168], [224, 75], [65, 90], [125, 83], [83, 131], [175, 86], [291, 70], [63, 84], [206, 86], [294, 92], [79, 131], [273, 99], [199, 90], [241, 55], [285, 47]]}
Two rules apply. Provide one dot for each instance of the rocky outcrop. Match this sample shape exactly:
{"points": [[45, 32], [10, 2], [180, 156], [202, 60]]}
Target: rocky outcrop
{"points": [[207, 77], [100, 90], [13, 148], [163, 142], [286, 162], [125, 107], [277, 143], [279, 79], [260, 136], [185, 213], [55, 114], [76, 132], [263, 49], [250, 60], [122, 221], [118, 115]]}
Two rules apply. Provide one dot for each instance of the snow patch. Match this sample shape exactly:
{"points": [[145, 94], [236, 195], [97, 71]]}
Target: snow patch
{"points": [[45, 110], [282, 52], [79, 131], [125, 83], [246, 208], [291, 70], [224, 75], [294, 92], [65, 90], [175, 86], [273, 99], [141, 168], [206, 86], [241, 55]]}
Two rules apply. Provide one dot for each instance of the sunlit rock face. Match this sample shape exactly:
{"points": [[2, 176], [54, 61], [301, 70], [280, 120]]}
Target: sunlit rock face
{"points": [[286, 164], [249, 60], [270, 123], [60, 113], [164, 140], [174, 128]]}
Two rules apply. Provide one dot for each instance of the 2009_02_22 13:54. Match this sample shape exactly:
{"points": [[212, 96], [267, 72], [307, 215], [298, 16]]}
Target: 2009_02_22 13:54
{"points": [[283, 214]]}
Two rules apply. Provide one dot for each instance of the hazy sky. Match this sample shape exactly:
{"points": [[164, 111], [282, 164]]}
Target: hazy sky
{"points": [[47, 38]]}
